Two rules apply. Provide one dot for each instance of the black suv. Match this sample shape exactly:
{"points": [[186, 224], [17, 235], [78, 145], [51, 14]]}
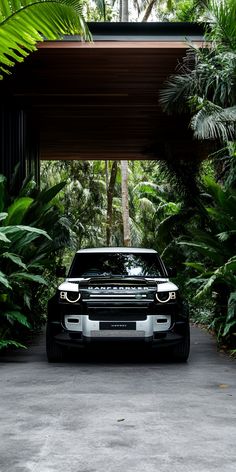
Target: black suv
{"points": [[117, 294]]}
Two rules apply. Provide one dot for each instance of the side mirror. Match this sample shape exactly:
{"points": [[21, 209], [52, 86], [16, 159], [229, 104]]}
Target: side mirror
{"points": [[172, 272], [60, 271]]}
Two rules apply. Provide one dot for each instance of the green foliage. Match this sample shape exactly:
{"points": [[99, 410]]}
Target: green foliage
{"points": [[83, 199], [180, 10], [216, 263], [205, 89], [26, 22], [205, 86], [27, 255], [223, 26]]}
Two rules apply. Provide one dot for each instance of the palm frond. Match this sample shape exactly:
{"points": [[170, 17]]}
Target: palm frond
{"points": [[146, 206], [225, 235], [214, 122], [148, 187], [222, 18], [204, 250], [136, 232], [26, 22], [224, 273], [173, 97]]}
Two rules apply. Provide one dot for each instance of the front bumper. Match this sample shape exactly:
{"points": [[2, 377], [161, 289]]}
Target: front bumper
{"points": [[138, 320], [174, 335]]}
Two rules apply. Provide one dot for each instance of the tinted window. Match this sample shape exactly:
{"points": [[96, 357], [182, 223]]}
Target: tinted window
{"points": [[109, 264]]}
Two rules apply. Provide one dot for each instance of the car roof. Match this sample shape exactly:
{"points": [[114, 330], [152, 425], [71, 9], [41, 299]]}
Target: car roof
{"points": [[126, 250]]}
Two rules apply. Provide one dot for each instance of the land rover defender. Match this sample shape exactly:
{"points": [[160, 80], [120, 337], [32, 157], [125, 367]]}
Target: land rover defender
{"points": [[117, 294]]}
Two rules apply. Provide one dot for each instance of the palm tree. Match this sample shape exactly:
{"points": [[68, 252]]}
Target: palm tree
{"points": [[23, 23], [206, 84]]}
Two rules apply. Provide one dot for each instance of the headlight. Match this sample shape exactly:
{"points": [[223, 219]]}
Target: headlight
{"points": [[164, 297], [71, 297]]}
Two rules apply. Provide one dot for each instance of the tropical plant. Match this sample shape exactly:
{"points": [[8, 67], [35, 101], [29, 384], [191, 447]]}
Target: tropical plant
{"points": [[14, 273], [204, 88], [83, 199], [216, 264], [27, 254], [17, 277], [23, 23], [205, 85]]}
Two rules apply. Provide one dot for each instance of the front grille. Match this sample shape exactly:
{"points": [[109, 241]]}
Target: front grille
{"points": [[119, 290], [116, 316]]}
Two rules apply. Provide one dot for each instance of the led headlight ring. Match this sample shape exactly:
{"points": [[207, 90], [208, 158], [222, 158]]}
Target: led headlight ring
{"points": [[170, 296], [64, 296]]}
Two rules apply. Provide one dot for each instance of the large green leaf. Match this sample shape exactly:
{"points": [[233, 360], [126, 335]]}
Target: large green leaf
{"points": [[23, 23], [206, 238], [214, 188], [4, 343], [224, 198], [17, 210], [22, 241], [3, 216], [43, 204], [14, 258], [13, 315], [232, 307], [8, 230], [224, 274], [220, 216], [47, 195], [4, 280], [3, 237], [23, 276], [196, 265], [204, 250]]}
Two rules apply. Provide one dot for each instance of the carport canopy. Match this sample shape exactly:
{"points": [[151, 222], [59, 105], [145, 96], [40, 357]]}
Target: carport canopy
{"points": [[99, 100]]}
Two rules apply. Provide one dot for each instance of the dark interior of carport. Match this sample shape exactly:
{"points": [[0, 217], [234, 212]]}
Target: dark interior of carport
{"points": [[99, 100]]}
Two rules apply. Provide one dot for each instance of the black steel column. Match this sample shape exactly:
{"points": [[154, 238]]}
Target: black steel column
{"points": [[19, 144]]}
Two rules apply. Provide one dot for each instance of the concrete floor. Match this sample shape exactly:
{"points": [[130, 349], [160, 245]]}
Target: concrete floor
{"points": [[122, 413]]}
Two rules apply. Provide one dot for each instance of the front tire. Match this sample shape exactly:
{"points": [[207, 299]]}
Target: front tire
{"points": [[180, 352], [55, 352]]}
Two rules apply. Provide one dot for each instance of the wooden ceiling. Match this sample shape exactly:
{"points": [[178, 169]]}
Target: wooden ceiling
{"points": [[100, 100]]}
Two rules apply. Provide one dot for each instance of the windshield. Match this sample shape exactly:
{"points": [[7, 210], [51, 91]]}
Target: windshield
{"points": [[116, 264]]}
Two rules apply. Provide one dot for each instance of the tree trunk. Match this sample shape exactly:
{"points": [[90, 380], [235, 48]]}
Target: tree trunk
{"points": [[148, 10], [124, 10], [125, 203], [110, 195], [107, 175]]}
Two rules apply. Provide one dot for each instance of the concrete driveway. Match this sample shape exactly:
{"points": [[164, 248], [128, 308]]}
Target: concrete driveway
{"points": [[118, 414]]}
